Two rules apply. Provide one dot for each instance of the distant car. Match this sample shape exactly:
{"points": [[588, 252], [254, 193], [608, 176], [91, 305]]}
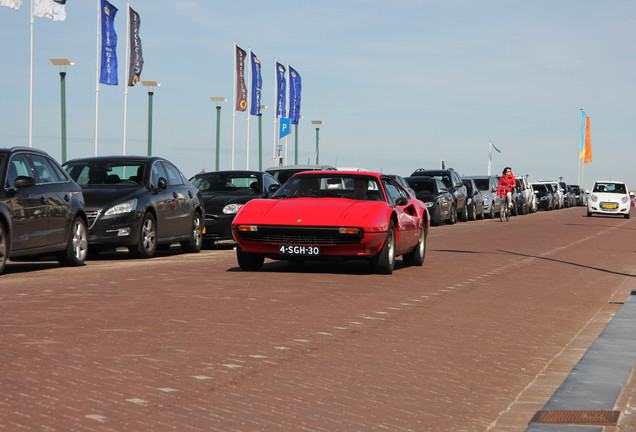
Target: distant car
{"points": [[41, 209], [487, 185], [609, 198], [284, 172], [544, 197], [632, 198], [402, 181], [141, 202], [438, 200], [557, 191], [224, 193], [475, 200], [455, 186], [333, 215], [524, 196], [569, 199], [579, 195]]}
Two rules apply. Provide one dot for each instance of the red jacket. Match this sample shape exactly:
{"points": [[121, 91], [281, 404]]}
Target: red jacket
{"points": [[507, 183]]}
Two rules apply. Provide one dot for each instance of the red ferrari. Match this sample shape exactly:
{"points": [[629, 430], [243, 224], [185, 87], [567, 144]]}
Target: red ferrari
{"points": [[334, 214]]}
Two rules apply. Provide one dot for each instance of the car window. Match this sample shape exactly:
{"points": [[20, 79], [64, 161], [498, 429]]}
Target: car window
{"points": [[18, 166], [423, 186], [44, 172], [174, 175], [157, 173], [394, 190], [610, 188]]}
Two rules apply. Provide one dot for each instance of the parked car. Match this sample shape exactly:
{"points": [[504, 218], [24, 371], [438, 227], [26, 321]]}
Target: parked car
{"points": [[568, 196], [284, 172], [41, 209], [437, 198], [333, 214], [141, 202], [224, 193], [579, 195], [475, 201], [543, 195], [401, 180], [557, 191], [524, 196], [455, 186], [487, 185], [610, 198]]}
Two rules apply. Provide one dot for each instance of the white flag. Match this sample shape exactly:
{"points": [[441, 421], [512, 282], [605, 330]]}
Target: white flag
{"points": [[56, 10], [14, 4]]}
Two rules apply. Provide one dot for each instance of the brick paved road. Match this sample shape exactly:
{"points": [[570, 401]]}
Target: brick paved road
{"points": [[478, 339]]}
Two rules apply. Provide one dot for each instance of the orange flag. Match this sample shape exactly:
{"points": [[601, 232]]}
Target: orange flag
{"points": [[588, 142]]}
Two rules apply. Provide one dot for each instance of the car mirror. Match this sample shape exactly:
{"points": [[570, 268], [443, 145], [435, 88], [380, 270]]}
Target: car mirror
{"points": [[162, 183], [273, 188], [401, 201], [22, 182]]}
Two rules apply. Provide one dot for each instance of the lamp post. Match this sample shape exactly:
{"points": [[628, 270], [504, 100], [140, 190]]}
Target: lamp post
{"points": [[260, 138], [218, 100], [152, 85], [62, 63], [317, 123]]}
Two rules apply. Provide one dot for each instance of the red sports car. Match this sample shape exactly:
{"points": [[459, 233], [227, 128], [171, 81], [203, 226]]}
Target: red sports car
{"points": [[334, 214]]}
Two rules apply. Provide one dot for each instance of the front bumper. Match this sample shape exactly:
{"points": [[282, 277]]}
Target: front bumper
{"points": [[218, 227], [113, 231]]}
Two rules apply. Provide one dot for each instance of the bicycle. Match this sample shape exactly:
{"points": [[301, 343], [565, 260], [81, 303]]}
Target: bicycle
{"points": [[506, 203]]}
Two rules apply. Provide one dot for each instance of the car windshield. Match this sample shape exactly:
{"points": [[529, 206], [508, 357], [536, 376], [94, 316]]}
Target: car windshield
{"points": [[228, 183], [330, 185], [107, 173], [422, 186], [482, 184], [539, 187], [618, 188]]}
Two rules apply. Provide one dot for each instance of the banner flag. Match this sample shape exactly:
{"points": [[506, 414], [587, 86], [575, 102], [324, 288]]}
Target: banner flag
{"points": [[498, 151], [582, 150], [108, 73], [588, 141], [295, 87], [136, 55], [53, 9], [13, 4], [285, 128], [241, 89], [257, 86], [280, 90]]}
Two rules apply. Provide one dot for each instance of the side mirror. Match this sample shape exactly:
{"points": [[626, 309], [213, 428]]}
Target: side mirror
{"points": [[401, 201], [22, 182], [273, 188], [162, 183]]}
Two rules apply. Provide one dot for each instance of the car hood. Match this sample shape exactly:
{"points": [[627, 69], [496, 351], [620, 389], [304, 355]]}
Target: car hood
{"points": [[99, 198], [426, 197], [311, 211], [610, 196]]}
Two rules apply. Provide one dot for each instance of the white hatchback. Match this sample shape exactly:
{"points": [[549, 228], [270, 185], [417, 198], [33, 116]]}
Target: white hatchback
{"points": [[609, 197]]}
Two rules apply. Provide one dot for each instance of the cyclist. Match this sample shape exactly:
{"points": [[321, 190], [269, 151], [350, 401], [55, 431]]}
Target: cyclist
{"points": [[507, 184]]}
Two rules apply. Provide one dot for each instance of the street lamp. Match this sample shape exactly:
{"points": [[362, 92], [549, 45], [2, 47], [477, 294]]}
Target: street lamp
{"points": [[152, 85], [260, 138], [62, 63], [317, 123], [218, 100]]}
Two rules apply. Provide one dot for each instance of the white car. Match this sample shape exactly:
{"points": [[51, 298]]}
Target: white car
{"points": [[609, 197]]}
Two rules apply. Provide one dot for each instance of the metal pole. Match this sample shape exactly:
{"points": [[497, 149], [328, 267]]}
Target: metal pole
{"points": [[317, 145], [218, 135], [63, 100], [260, 141], [150, 94], [296, 145]]}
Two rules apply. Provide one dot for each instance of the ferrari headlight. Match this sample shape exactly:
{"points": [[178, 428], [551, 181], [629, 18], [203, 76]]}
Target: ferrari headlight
{"points": [[232, 208], [122, 208]]}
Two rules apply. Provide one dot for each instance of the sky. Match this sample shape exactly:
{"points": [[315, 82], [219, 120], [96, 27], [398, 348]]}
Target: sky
{"points": [[399, 85]]}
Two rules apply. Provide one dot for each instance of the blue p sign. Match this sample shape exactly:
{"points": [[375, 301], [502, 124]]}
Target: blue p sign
{"points": [[285, 127]]}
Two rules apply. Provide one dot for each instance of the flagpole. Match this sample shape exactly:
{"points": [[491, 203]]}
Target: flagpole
{"points": [[249, 102], [234, 104], [127, 72], [99, 14], [31, 84], [489, 157], [578, 158], [275, 109]]}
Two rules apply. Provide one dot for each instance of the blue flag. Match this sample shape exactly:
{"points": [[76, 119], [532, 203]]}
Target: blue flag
{"points": [[257, 85], [295, 87], [280, 91], [285, 128], [108, 74]]}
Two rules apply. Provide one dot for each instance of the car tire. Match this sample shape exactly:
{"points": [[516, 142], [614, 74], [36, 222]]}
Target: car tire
{"points": [[4, 248], [436, 217], [147, 243], [626, 216], [481, 213], [474, 215], [384, 261], [249, 261], [452, 220], [463, 216], [416, 257], [77, 247], [195, 243], [589, 213]]}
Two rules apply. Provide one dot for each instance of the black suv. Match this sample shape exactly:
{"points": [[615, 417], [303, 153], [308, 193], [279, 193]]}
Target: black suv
{"points": [[41, 209], [456, 187]]}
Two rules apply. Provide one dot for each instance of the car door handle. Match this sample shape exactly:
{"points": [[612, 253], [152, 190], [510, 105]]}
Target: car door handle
{"points": [[175, 195], [67, 198]]}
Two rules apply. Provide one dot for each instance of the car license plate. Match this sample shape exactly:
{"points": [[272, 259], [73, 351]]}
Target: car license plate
{"points": [[613, 206], [298, 250]]}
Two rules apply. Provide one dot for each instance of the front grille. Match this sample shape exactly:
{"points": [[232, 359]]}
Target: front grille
{"points": [[92, 216], [300, 235]]}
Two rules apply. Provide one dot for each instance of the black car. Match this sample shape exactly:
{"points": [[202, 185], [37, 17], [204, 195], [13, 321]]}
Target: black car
{"points": [[284, 172], [224, 193], [41, 209], [141, 202], [438, 199], [544, 196], [455, 186], [475, 200], [579, 196]]}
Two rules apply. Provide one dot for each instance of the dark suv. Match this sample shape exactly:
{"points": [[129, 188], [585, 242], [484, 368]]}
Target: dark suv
{"points": [[41, 209], [455, 186]]}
